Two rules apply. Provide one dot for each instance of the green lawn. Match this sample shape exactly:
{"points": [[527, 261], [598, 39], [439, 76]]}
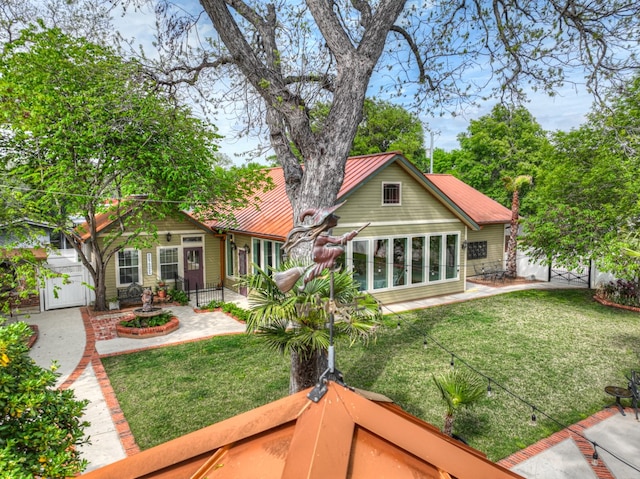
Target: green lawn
{"points": [[555, 349]]}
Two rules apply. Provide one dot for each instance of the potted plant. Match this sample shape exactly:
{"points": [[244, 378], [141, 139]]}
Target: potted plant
{"points": [[160, 289], [114, 303]]}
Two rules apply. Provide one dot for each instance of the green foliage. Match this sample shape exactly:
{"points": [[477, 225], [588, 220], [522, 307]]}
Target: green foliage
{"points": [[296, 321], [624, 292], [507, 142], [40, 427], [459, 388], [587, 198], [142, 322], [179, 296], [85, 126]]}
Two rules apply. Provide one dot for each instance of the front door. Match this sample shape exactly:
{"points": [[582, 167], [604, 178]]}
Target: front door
{"points": [[193, 267]]}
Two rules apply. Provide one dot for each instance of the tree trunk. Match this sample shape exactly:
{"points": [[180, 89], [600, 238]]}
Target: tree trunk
{"points": [[100, 288], [305, 371], [512, 245], [448, 425]]}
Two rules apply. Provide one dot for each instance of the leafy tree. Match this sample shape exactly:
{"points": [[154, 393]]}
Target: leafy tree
{"points": [[514, 185], [459, 388], [506, 143], [587, 196], [86, 128], [294, 322], [281, 59]]}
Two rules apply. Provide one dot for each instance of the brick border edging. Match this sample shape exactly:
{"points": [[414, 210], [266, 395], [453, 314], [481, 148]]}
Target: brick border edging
{"points": [[574, 432], [90, 356], [606, 302], [149, 331], [125, 435]]}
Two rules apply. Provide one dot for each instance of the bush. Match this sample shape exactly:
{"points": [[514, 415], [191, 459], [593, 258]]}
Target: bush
{"points": [[179, 297], [40, 426], [140, 322], [622, 292], [229, 308]]}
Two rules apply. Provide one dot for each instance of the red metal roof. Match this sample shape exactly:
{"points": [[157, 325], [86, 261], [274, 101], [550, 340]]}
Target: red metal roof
{"points": [[482, 209], [273, 218], [345, 434]]}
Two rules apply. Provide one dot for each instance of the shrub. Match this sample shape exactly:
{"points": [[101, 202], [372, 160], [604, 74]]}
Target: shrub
{"points": [[622, 291], [40, 425], [229, 308], [179, 297], [140, 322]]}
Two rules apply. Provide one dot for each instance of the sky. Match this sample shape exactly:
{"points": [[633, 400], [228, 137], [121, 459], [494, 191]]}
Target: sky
{"points": [[565, 111]]}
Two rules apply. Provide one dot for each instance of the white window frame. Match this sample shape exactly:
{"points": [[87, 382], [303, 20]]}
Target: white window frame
{"points": [[370, 279], [258, 253], [128, 250], [179, 263]]}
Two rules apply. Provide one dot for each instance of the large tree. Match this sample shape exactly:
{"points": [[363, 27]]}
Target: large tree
{"points": [[587, 199], [290, 55], [86, 131], [508, 142], [384, 127]]}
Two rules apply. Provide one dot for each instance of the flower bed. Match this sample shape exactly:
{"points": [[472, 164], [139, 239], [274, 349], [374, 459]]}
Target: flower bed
{"points": [[134, 332]]}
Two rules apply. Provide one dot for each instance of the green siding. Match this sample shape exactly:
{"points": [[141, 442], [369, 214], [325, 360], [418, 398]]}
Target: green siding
{"points": [[178, 227]]}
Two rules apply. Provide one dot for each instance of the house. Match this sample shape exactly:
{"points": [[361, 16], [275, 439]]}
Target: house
{"points": [[426, 231], [184, 248], [426, 234], [344, 433]]}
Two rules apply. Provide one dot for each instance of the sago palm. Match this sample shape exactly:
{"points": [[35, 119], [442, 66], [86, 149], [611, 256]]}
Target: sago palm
{"points": [[459, 388], [295, 322]]}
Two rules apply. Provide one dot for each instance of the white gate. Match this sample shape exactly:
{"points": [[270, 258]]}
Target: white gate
{"points": [[61, 292]]}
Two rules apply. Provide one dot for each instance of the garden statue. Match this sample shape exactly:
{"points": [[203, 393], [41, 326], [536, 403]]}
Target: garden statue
{"points": [[326, 248], [147, 299]]}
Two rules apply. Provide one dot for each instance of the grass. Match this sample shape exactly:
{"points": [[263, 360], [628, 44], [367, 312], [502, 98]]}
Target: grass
{"points": [[555, 349]]}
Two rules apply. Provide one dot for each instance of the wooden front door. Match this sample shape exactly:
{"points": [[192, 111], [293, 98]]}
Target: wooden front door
{"points": [[193, 267]]}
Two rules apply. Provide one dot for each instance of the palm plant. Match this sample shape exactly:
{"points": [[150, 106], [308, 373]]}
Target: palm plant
{"points": [[295, 322], [459, 388], [514, 185]]}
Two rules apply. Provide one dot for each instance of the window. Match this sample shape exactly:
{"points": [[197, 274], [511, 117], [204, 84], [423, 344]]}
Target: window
{"points": [[360, 256], [417, 260], [435, 249], [396, 262], [399, 258], [391, 193], [380, 264], [128, 267], [451, 259], [476, 250], [168, 263], [267, 254], [230, 249]]}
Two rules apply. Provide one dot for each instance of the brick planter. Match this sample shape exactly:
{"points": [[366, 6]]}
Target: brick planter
{"points": [[140, 333], [615, 305]]}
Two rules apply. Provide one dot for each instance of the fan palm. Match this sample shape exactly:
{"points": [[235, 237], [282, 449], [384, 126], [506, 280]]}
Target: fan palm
{"points": [[459, 388], [295, 322], [514, 186]]}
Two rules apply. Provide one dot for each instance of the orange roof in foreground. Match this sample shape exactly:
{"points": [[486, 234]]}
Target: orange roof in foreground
{"points": [[343, 435], [482, 209]]}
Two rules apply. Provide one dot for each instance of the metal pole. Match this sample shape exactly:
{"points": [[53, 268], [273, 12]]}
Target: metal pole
{"points": [[331, 352], [431, 154]]}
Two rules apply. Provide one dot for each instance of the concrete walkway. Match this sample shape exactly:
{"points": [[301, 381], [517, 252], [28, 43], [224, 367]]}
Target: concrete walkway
{"points": [[68, 336]]}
